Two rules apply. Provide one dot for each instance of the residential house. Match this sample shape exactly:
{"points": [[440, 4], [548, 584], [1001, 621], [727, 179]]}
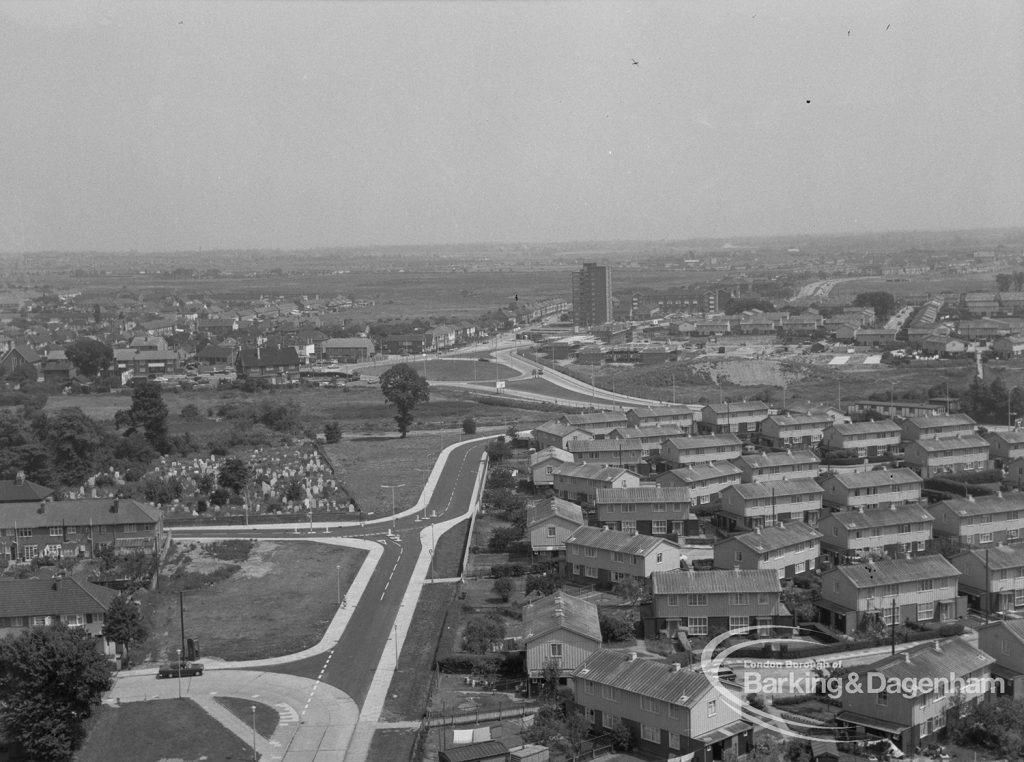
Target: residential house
{"points": [[863, 596], [556, 434], [777, 466], [992, 578], [544, 462], [580, 482], [868, 439], [29, 603], [704, 482], [1005, 446], [915, 718], [649, 437], [1007, 347], [870, 489], [786, 549], [893, 408], [704, 602], [792, 430], [624, 453], [217, 328], [740, 418], [680, 452], [77, 528], [217, 354], [751, 505], [559, 629], [21, 490], [851, 536], [549, 522], [20, 355], [671, 712], [275, 364], [409, 343], [648, 509], [875, 337], [148, 363], [676, 415], [599, 555], [1003, 640], [935, 426], [347, 350], [598, 424], [946, 455], [986, 520]]}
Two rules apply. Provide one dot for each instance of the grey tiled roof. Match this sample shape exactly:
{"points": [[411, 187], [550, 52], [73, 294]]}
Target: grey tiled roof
{"points": [[619, 542], [888, 571], [648, 677], [678, 581]]}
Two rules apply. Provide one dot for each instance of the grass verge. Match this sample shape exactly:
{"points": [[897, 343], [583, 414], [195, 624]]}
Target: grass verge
{"points": [[392, 745], [408, 695], [279, 601], [148, 731], [447, 560], [267, 717]]}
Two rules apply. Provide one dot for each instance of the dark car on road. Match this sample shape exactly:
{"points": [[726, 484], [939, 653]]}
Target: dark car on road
{"points": [[182, 669]]}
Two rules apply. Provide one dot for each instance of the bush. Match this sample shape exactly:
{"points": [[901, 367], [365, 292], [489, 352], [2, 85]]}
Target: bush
{"points": [[511, 663], [615, 627], [469, 425], [507, 570], [501, 538], [190, 413], [545, 584], [504, 586], [481, 631], [332, 432]]}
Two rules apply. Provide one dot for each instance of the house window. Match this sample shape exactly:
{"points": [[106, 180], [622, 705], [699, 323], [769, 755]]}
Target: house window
{"points": [[556, 650], [658, 558], [629, 527], [608, 720], [576, 569], [551, 531], [697, 599], [925, 611], [73, 620], [588, 686], [737, 599], [673, 600], [30, 551], [739, 623], [41, 621], [24, 533], [589, 551], [618, 576], [926, 584], [1018, 598], [1011, 534], [882, 698], [56, 532], [737, 556], [609, 693], [590, 571], [650, 733], [659, 527], [649, 704], [619, 558], [985, 537], [697, 625], [712, 708], [673, 741]]}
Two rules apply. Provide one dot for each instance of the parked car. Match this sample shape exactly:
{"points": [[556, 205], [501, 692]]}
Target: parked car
{"points": [[180, 669]]}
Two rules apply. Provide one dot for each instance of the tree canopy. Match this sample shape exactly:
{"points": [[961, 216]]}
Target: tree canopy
{"points": [[89, 356], [404, 388], [883, 303], [149, 411], [50, 678], [233, 475], [123, 624]]}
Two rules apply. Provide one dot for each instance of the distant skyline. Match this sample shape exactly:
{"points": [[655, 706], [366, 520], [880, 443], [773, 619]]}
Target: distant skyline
{"points": [[249, 125]]}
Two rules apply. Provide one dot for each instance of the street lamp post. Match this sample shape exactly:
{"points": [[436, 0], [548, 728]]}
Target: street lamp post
{"points": [[253, 708], [339, 584], [392, 487], [396, 647], [179, 671]]}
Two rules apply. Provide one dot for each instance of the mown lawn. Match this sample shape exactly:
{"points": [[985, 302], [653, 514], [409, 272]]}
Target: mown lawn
{"points": [[392, 745], [447, 561], [267, 718], [151, 731], [279, 602]]}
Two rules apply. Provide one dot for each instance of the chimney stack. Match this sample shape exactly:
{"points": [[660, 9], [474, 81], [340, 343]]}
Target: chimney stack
{"points": [[676, 666], [631, 656], [42, 507], [19, 479], [115, 505]]}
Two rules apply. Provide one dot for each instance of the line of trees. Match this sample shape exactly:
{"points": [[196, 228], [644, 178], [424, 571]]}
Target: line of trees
{"points": [[1010, 281]]}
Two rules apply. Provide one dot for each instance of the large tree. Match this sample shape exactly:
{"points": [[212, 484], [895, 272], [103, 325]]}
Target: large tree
{"points": [[89, 356], [50, 678], [883, 303], [123, 624], [233, 475], [149, 411], [76, 444], [404, 388]]}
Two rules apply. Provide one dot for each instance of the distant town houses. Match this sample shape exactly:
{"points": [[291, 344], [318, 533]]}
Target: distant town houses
{"points": [[854, 536], [992, 578], [752, 505], [870, 489], [787, 549], [981, 521]]}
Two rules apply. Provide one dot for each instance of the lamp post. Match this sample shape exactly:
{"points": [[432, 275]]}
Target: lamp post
{"points": [[392, 487], [179, 671], [339, 584], [396, 647], [253, 708]]}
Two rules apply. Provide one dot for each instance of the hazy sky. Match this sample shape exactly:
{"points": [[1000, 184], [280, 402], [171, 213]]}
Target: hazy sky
{"points": [[171, 126]]}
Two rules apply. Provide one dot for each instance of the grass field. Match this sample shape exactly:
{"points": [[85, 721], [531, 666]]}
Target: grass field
{"points": [[392, 745], [463, 370], [267, 718], [256, 612], [155, 731], [543, 386], [447, 560], [407, 696]]}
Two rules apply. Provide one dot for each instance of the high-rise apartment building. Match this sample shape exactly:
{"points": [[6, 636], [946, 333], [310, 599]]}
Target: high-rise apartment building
{"points": [[592, 295]]}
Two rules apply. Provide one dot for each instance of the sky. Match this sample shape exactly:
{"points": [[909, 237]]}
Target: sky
{"points": [[285, 125]]}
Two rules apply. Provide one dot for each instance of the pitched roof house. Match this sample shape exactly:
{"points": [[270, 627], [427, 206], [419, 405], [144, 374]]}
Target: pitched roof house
{"points": [[870, 489], [549, 522], [559, 628], [28, 603], [980, 521], [602, 555], [759, 504], [786, 549], [851, 536]]}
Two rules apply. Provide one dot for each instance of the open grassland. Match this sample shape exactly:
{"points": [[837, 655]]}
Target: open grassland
{"points": [[276, 600], [463, 370], [156, 731]]}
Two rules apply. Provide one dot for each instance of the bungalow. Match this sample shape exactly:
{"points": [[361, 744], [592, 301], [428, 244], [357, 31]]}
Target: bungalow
{"points": [[752, 505], [791, 430], [559, 629], [935, 426], [273, 363], [21, 490], [580, 482], [868, 439], [1003, 640], [851, 536], [18, 356], [1006, 445], [29, 603], [963, 452], [870, 489], [704, 482], [549, 522], [875, 337], [993, 578], [556, 434], [77, 528], [679, 415], [786, 549], [714, 601], [893, 408], [680, 452], [735, 417], [217, 354], [544, 463], [856, 597], [598, 424], [986, 520], [776, 466], [605, 556], [671, 712], [914, 718], [1007, 347], [624, 453], [943, 345], [648, 509]]}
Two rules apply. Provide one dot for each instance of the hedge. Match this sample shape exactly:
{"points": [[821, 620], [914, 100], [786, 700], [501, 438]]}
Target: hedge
{"points": [[510, 663], [943, 631]]}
